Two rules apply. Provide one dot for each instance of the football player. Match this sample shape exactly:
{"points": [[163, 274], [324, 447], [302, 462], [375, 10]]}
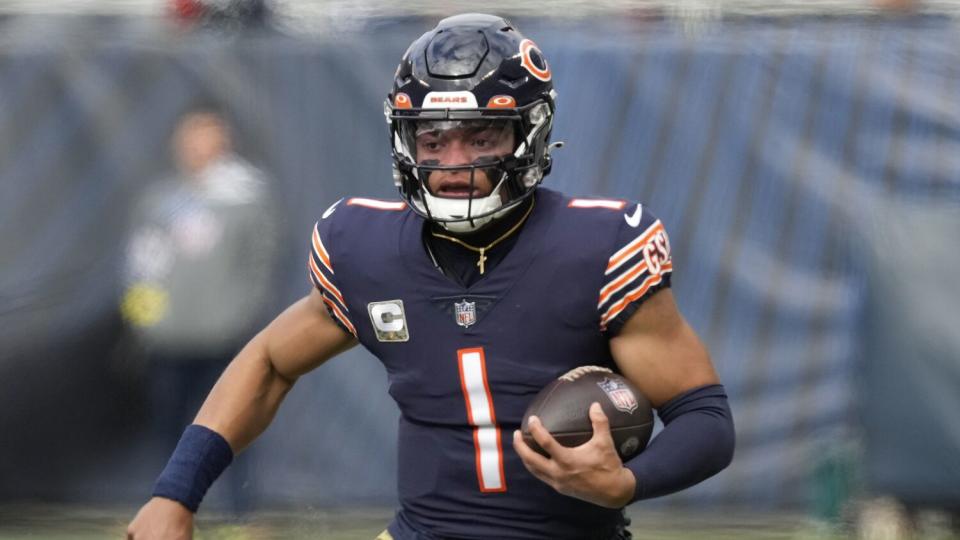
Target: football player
{"points": [[475, 291]]}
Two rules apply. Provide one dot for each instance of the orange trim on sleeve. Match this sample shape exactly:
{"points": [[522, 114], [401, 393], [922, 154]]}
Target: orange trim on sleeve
{"points": [[621, 282], [632, 248], [325, 283], [635, 294], [339, 315], [320, 250]]}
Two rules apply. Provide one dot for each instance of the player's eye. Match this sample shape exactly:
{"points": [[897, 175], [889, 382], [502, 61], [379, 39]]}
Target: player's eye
{"points": [[482, 142], [429, 146]]}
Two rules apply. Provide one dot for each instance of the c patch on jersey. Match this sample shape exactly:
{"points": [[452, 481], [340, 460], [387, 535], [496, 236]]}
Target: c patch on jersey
{"points": [[389, 320]]}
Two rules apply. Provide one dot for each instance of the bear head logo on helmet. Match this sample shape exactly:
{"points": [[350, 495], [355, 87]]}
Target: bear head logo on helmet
{"points": [[472, 102]]}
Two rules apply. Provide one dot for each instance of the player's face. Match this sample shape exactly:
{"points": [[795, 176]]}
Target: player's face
{"points": [[462, 144]]}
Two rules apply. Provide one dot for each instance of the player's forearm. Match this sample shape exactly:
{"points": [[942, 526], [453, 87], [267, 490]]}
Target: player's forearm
{"points": [[696, 443], [245, 399], [240, 406]]}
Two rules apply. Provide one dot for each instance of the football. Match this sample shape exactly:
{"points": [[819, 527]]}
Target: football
{"points": [[563, 408]]}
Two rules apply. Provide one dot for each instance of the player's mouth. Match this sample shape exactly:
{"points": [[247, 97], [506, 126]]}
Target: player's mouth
{"points": [[458, 190]]}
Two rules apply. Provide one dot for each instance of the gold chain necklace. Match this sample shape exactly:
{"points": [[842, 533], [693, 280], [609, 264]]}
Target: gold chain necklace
{"points": [[482, 250]]}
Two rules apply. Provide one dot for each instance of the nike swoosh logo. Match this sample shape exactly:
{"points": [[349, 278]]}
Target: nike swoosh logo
{"points": [[634, 220], [330, 210]]}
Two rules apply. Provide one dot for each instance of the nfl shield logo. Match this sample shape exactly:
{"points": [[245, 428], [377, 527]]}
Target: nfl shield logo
{"points": [[466, 313], [621, 396]]}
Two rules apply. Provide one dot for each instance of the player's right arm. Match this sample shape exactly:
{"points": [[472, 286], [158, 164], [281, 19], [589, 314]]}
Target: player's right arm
{"points": [[245, 399], [248, 394]]}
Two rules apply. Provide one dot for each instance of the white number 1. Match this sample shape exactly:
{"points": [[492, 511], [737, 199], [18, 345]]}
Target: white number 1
{"points": [[486, 433]]}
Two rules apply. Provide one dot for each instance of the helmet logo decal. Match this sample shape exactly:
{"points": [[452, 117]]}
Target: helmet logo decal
{"points": [[402, 101], [502, 102], [450, 100], [533, 61]]}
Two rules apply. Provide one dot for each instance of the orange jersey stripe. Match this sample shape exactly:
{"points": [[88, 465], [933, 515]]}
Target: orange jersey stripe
{"points": [[339, 315], [621, 282], [320, 250], [327, 285], [632, 248], [634, 294]]}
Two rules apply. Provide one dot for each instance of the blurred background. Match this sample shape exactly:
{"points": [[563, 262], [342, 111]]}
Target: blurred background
{"points": [[162, 163]]}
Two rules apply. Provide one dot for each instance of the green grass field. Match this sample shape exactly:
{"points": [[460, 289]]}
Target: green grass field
{"points": [[74, 523]]}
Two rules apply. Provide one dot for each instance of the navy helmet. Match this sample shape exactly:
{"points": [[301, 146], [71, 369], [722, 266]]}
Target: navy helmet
{"points": [[472, 68]]}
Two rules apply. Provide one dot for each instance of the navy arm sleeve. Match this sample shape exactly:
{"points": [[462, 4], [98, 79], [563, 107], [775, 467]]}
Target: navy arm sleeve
{"points": [[696, 443]]}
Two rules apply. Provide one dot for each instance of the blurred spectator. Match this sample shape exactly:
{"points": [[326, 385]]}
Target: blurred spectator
{"points": [[198, 270]]}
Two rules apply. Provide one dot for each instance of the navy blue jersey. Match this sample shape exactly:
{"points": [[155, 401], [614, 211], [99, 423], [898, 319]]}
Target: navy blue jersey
{"points": [[464, 363]]}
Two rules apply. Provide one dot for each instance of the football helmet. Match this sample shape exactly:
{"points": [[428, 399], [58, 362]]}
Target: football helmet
{"points": [[471, 72]]}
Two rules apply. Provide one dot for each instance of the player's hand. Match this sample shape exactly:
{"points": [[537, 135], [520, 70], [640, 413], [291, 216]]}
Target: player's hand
{"points": [[162, 519], [592, 471]]}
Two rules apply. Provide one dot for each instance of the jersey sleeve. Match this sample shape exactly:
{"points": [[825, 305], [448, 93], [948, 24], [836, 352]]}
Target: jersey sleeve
{"points": [[323, 277], [639, 265]]}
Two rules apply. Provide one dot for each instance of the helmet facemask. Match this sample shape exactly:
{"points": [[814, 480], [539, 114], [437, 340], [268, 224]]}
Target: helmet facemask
{"points": [[468, 168]]}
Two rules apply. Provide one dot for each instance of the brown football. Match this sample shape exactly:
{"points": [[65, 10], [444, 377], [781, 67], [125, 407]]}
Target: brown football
{"points": [[563, 407]]}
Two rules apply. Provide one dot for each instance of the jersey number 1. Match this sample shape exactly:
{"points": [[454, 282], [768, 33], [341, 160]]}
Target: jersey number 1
{"points": [[486, 433]]}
